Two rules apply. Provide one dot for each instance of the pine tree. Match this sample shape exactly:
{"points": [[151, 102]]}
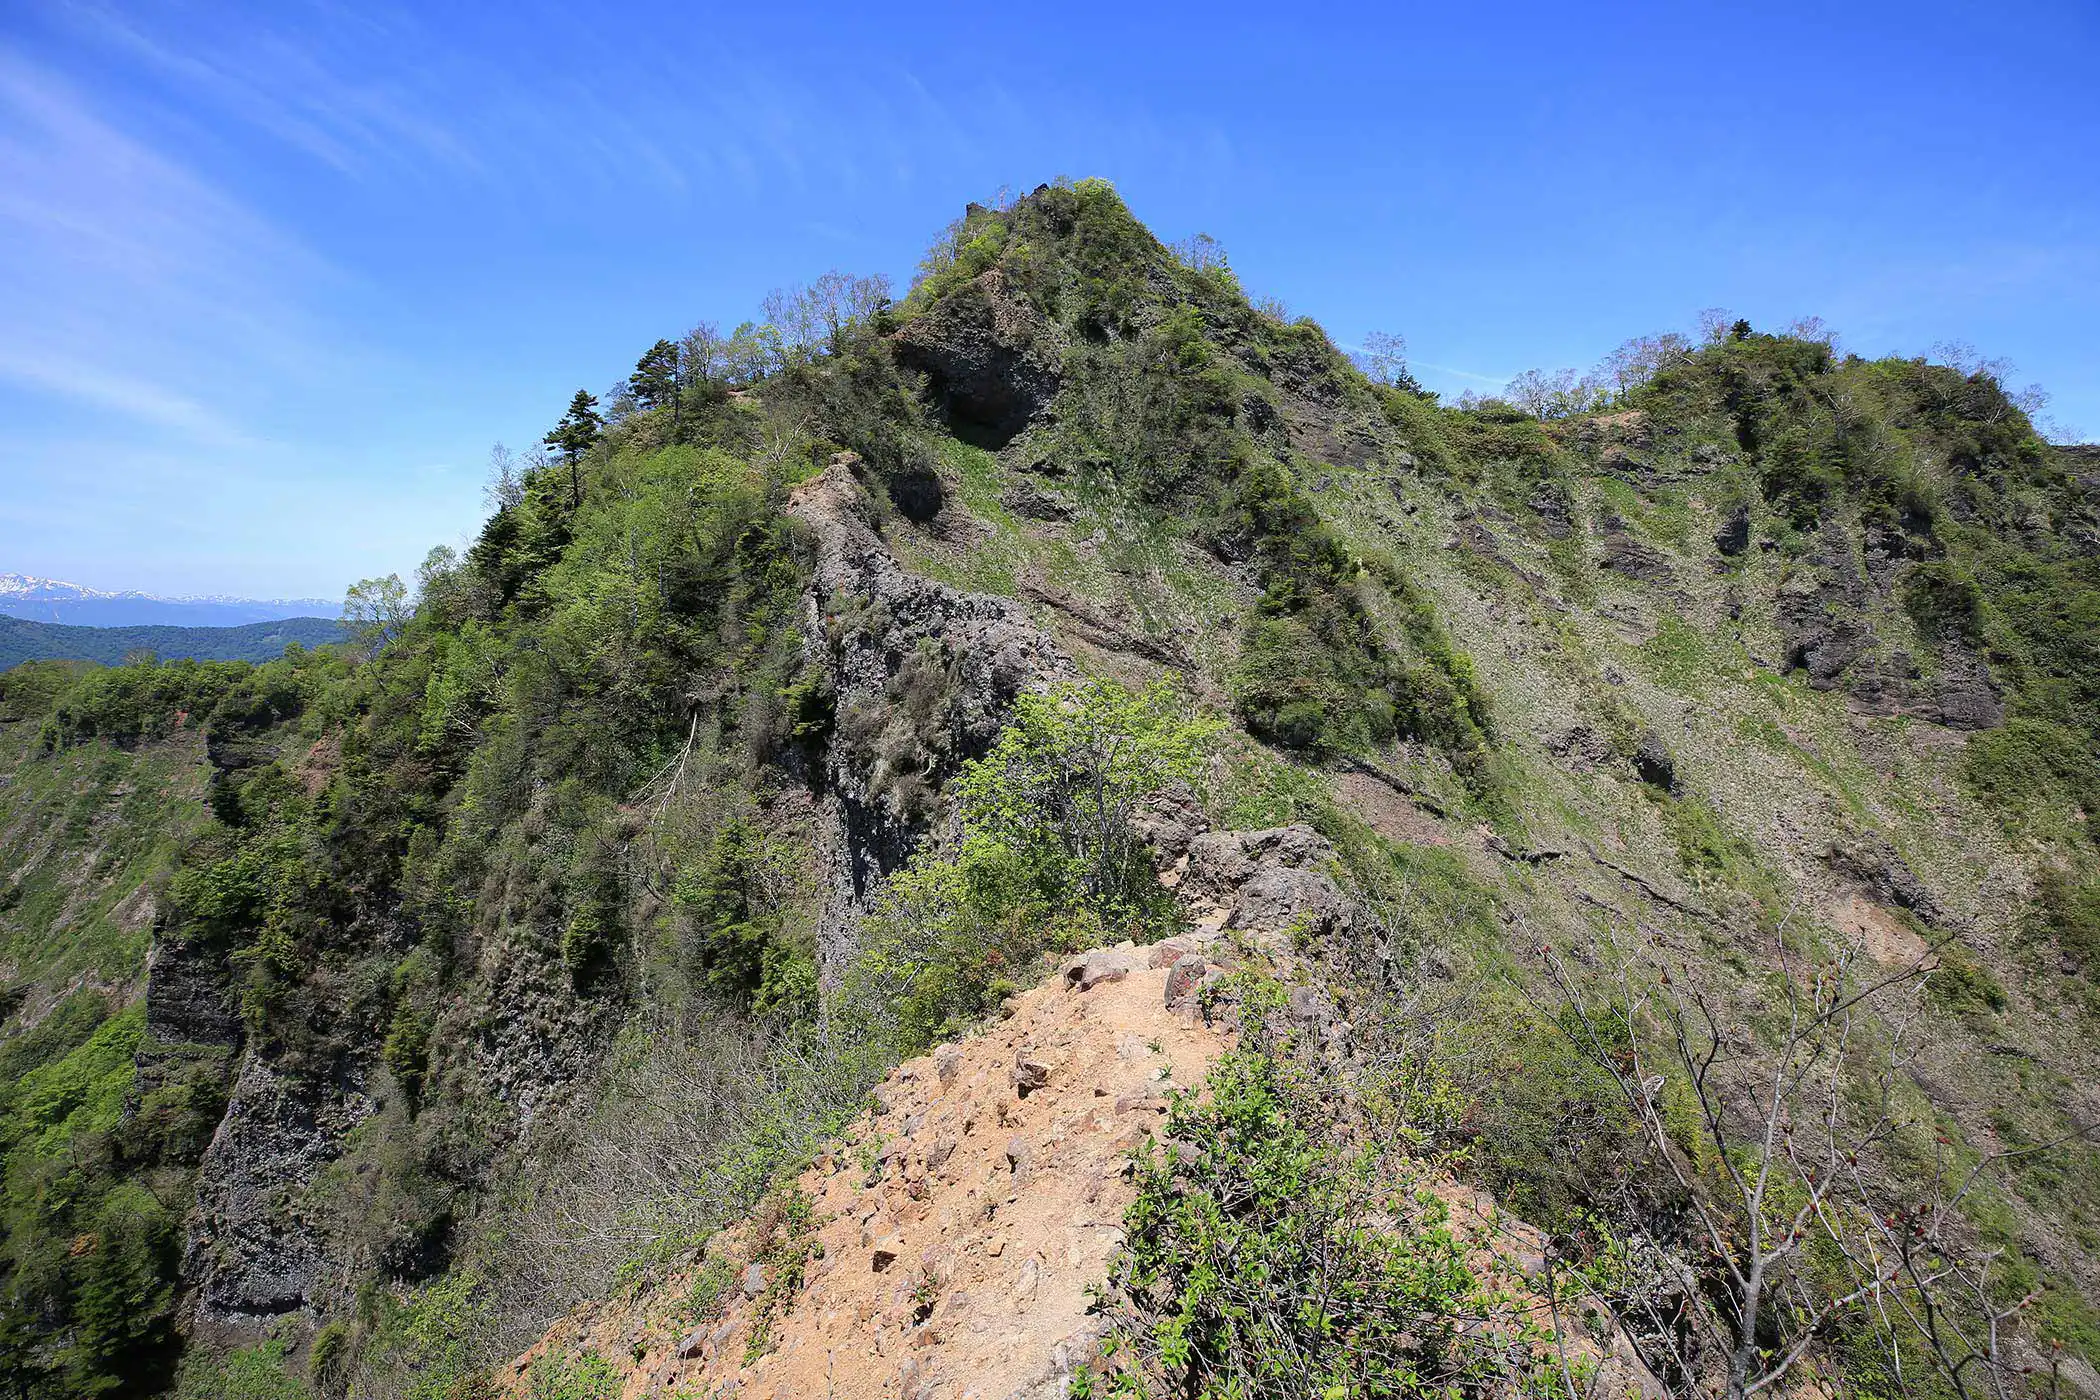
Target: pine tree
{"points": [[574, 435], [655, 378]]}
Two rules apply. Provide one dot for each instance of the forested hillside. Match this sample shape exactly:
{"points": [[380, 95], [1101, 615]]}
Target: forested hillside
{"points": [[111, 646], [1664, 806]]}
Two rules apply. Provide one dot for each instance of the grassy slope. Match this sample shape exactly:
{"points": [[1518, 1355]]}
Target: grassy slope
{"points": [[84, 834], [1773, 772]]}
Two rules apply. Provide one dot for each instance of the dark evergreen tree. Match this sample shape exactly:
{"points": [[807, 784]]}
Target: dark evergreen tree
{"points": [[655, 379], [573, 437]]}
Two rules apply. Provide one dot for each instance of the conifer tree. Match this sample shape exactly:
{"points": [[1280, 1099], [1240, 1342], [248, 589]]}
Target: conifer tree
{"points": [[574, 435], [655, 378]]}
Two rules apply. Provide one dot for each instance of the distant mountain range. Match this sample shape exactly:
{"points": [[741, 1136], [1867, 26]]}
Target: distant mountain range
{"points": [[257, 641], [51, 600]]}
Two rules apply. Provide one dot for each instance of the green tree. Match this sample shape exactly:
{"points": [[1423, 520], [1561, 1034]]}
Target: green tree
{"points": [[1046, 857], [655, 374], [1058, 790], [376, 609], [655, 379], [573, 436]]}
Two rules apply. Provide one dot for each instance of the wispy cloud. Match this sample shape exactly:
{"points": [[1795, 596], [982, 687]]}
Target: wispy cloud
{"points": [[1495, 379], [548, 109], [226, 233], [137, 399], [130, 282], [289, 89]]}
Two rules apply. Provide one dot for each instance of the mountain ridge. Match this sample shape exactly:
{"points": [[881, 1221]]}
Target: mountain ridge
{"points": [[23, 640], [37, 599], [847, 671]]}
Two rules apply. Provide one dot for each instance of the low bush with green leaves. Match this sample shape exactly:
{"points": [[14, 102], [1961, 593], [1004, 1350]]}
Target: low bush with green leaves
{"points": [[1271, 1252], [1045, 860]]}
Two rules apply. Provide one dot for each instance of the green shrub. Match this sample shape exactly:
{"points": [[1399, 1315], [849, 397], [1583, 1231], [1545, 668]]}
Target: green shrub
{"points": [[1704, 847], [2031, 766], [245, 1373], [31, 689], [741, 945], [1046, 858], [1944, 599], [1797, 474], [427, 1339], [329, 1354], [1963, 985], [2067, 913], [1317, 673], [1266, 1257], [1678, 655], [588, 1376], [126, 703]]}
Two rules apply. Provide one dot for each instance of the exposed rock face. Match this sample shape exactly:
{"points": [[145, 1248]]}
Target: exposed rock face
{"points": [[1623, 554], [1871, 859], [1555, 508], [1027, 498], [1631, 432], [989, 355], [254, 1251], [923, 676], [1652, 760], [525, 1057], [1820, 644], [1270, 882], [1582, 748], [189, 997], [1963, 696], [1839, 651], [1167, 823], [1734, 535]]}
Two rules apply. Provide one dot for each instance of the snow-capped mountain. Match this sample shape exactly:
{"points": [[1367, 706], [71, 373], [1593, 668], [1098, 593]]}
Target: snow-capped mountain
{"points": [[53, 600]]}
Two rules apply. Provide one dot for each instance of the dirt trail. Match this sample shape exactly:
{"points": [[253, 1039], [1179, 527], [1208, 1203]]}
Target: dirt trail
{"points": [[955, 1233], [944, 1249]]}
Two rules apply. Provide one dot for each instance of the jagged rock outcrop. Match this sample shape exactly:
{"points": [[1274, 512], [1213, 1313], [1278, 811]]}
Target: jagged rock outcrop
{"points": [[1555, 506], [1653, 761], [189, 997], [1272, 883], [1622, 553], [1840, 652], [922, 677], [1963, 694], [255, 1250], [990, 358]]}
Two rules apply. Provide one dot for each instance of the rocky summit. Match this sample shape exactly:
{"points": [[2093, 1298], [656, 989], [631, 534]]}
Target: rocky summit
{"points": [[1059, 835]]}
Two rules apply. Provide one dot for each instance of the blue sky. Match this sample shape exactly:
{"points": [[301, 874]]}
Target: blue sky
{"points": [[274, 276]]}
